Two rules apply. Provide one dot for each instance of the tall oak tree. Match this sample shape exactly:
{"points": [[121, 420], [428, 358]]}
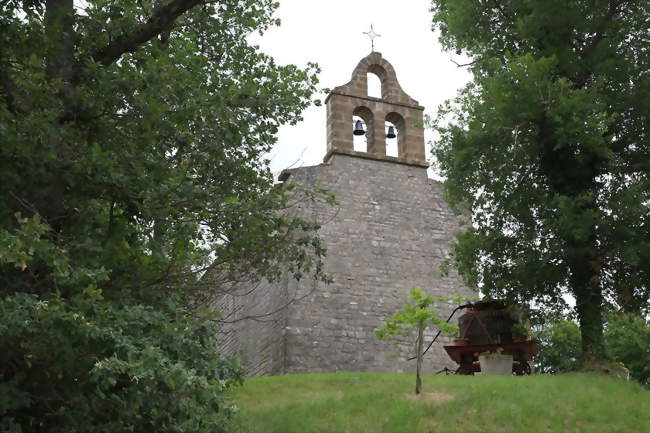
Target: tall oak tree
{"points": [[132, 143], [548, 148]]}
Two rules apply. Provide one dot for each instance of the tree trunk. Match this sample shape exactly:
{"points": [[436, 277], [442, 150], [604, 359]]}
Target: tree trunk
{"points": [[420, 355], [589, 305], [59, 20]]}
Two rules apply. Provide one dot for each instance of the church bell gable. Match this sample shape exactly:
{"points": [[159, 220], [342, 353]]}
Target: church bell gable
{"points": [[351, 100]]}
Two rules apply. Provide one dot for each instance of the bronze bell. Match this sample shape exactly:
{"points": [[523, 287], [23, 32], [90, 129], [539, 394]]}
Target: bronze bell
{"points": [[391, 132], [358, 128]]}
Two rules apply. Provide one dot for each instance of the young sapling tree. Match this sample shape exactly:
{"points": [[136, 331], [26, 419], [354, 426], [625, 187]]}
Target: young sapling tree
{"points": [[417, 315]]}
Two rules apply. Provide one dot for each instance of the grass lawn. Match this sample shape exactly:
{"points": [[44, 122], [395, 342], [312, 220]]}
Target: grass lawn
{"points": [[384, 402]]}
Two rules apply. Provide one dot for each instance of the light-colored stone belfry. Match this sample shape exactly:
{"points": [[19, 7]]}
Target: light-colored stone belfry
{"points": [[394, 106], [389, 234]]}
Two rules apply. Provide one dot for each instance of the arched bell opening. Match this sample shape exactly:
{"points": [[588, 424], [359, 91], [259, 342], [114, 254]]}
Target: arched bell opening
{"points": [[362, 129], [380, 72], [359, 139], [392, 134], [374, 85], [395, 135]]}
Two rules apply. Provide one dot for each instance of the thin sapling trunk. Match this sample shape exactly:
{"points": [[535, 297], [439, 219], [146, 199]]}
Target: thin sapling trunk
{"points": [[420, 355]]}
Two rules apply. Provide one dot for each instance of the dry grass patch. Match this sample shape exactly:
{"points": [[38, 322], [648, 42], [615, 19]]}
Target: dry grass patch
{"points": [[432, 397]]}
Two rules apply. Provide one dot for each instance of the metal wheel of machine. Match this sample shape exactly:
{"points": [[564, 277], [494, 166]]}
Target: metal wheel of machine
{"points": [[521, 368], [465, 369]]}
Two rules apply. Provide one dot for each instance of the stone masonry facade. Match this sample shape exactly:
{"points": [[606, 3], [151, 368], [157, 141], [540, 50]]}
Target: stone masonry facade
{"points": [[389, 233]]}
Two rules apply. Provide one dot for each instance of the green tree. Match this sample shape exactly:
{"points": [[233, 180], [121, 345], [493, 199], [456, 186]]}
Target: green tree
{"points": [[548, 149], [628, 342], [627, 338], [132, 151], [417, 315], [559, 348]]}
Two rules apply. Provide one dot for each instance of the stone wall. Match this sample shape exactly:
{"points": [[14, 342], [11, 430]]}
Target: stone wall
{"points": [[255, 321], [388, 234]]}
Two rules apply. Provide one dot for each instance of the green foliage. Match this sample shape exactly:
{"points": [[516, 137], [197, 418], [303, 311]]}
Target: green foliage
{"points": [[559, 348], [547, 149], [520, 331], [628, 341], [383, 402], [417, 315], [419, 311], [134, 137], [109, 368]]}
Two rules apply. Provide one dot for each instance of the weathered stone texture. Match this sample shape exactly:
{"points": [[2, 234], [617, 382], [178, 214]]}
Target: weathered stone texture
{"points": [[388, 234], [255, 319], [395, 106]]}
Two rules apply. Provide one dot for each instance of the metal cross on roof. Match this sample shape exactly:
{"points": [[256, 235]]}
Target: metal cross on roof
{"points": [[372, 35]]}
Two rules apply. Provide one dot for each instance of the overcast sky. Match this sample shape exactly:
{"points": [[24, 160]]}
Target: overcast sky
{"points": [[330, 33]]}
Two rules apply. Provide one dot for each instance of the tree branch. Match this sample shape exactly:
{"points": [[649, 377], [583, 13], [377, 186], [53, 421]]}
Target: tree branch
{"points": [[9, 89], [161, 20], [502, 11], [612, 11], [462, 65], [18, 102]]}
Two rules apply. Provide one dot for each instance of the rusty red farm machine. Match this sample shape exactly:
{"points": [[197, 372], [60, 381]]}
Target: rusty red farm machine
{"points": [[491, 329]]}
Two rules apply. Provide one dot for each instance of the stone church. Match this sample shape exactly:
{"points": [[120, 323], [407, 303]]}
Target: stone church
{"points": [[388, 234]]}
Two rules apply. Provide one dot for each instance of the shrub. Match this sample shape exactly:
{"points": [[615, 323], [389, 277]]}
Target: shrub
{"points": [[559, 348], [628, 341]]}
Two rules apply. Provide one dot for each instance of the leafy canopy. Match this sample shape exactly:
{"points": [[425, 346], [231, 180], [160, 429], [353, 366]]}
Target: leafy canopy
{"points": [[548, 149], [133, 140]]}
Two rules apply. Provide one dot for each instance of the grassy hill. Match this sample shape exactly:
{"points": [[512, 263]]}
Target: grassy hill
{"points": [[384, 402]]}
